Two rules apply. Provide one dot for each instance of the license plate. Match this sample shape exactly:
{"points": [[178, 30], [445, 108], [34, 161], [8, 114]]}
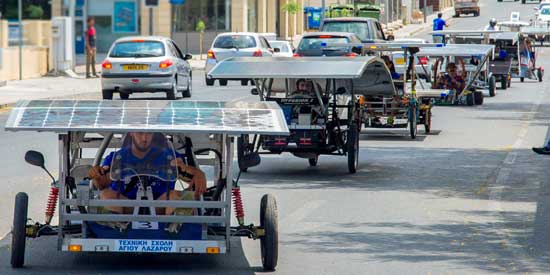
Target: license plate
{"points": [[399, 61], [135, 67]]}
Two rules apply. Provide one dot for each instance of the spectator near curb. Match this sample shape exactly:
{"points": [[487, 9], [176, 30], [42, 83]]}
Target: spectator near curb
{"points": [[90, 48], [438, 25]]}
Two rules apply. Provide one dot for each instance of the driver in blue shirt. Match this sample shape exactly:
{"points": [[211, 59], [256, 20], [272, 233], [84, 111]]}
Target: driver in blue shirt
{"points": [[142, 154]]}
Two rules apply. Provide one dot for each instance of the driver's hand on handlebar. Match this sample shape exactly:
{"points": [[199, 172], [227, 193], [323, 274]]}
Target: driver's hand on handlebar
{"points": [[197, 179], [100, 176]]}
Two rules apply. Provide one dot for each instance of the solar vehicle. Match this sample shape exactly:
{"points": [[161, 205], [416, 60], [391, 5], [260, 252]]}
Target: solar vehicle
{"points": [[474, 59], [325, 117], [202, 132], [402, 107]]}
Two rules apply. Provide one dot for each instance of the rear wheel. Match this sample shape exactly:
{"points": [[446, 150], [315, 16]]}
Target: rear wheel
{"points": [[123, 95], [523, 1], [269, 243], [539, 74], [223, 82], [492, 86], [313, 161], [478, 98], [470, 99], [352, 145], [209, 82], [18, 232], [428, 121], [243, 147], [107, 94], [503, 83], [522, 79], [244, 82], [171, 94], [412, 121], [187, 91]]}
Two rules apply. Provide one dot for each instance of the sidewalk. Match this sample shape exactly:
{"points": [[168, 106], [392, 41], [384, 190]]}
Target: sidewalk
{"points": [[412, 29]]}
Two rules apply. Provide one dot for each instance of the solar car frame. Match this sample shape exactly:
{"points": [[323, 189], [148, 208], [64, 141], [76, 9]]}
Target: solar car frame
{"points": [[98, 125], [339, 83]]}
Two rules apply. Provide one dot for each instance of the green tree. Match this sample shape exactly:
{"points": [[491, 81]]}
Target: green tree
{"points": [[200, 27], [34, 12], [291, 8]]}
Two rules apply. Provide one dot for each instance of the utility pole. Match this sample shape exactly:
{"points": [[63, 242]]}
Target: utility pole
{"points": [[151, 20], [20, 15], [425, 10], [323, 11]]}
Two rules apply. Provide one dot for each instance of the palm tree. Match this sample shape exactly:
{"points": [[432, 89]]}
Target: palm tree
{"points": [[291, 8]]}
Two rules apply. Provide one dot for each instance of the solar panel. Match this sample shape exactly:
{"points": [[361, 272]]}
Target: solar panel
{"points": [[461, 50], [148, 115]]}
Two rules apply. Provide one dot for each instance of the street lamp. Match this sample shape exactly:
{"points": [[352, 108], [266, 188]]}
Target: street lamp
{"points": [[20, 15]]}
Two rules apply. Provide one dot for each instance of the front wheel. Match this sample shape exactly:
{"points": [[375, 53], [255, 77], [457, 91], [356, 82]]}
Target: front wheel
{"points": [[243, 147], [209, 81], [521, 79], [428, 121], [123, 96], [18, 232], [503, 83], [269, 243], [187, 91], [244, 82], [107, 94], [412, 122], [492, 86], [478, 98], [539, 74], [223, 82], [171, 94], [352, 145], [313, 161]]}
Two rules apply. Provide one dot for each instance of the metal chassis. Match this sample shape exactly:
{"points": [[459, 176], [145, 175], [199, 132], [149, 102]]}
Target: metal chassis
{"points": [[354, 112], [71, 222]]}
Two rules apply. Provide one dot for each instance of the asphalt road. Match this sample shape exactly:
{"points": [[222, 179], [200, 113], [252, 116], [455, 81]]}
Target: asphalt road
{"points": [[470, 198]]}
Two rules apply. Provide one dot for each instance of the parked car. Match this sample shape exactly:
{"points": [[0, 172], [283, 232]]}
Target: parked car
{"points": [[233, 44], [281, 48], [423, 65], [543, 13], [145, 64], [318, 44], [368, 30], [466, 7]]}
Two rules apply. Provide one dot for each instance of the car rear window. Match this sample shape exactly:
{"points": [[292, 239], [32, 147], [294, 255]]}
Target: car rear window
{"points": [[138, 49], [319, 43], [282, 46], [361, 29], [235, 41], [545, 11]]}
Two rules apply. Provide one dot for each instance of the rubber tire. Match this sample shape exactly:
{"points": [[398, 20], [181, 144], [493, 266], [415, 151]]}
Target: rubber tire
{"points": [[428, 122], [209, 82], [352, 148], [504, 83], [413, 123], [313, 161], [240, 151], [269, 243], [492, 86], [223, 82], [470, 99], [478, 98], [187, 91], [522, 79], [171, 94], [107, 94], [244, 82], [18, 232], [539, 74], [523, 1], [123, 96]]}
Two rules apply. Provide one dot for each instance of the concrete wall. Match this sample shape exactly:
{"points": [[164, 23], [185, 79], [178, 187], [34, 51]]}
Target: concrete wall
{"points": [[37, 32], [161, 19], [35, 62], [3, 34]]}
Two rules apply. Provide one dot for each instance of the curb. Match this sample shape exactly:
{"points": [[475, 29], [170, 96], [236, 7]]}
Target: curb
{"points": [[3, 83]]}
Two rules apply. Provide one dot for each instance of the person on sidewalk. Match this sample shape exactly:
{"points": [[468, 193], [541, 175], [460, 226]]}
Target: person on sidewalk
{"points": [[492, 25], [90, 48], [438, 25]]}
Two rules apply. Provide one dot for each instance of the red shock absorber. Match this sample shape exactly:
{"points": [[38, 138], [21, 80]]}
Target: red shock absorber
{"points": [[52, 201], [238, 204]]}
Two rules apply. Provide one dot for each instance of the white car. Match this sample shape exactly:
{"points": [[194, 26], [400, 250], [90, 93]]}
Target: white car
{"points": [[281, 48], [145, 64], [423, 65], [543, 14], [235, 44]]}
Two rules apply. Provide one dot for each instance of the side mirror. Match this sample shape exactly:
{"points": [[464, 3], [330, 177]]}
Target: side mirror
{"points": [[187, 57], [34, 158], [254, 91], [277, 50]]}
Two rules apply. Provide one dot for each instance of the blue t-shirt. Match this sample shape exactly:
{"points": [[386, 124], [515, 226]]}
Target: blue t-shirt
{"points": [[438, 25], [155, 160]]}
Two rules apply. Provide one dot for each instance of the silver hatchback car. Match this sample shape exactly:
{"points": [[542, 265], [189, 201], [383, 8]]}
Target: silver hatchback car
{"points": [[235, 44], [145, 64]]}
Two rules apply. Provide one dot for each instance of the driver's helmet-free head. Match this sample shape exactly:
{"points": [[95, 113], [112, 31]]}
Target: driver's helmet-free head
{"points": [[144, 154], [304, 85], [439, 14], [493, 22]]}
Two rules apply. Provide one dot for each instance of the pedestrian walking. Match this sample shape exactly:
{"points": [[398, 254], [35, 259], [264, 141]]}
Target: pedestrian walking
{"points": [[90, 48], [438, 25]]}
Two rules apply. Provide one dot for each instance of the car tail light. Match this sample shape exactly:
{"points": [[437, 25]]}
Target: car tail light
{"points": [[210, 54], [351, 54], [297, 55], [107, 65], [325, 36], [166, 63], [423, 60], [257, 53]]}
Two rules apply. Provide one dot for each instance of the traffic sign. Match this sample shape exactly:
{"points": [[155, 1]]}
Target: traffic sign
{"points": [[151, 3]]}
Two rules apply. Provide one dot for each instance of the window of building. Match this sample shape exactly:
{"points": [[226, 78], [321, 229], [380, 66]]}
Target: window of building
{"points": [[214, 13]]}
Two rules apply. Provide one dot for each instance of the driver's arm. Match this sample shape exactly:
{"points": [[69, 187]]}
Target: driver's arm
{"points": [[100, 176], [194, 176]]}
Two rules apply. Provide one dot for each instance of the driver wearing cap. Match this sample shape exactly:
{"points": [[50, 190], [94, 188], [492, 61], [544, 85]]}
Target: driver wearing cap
{"points": [[142, 153]]}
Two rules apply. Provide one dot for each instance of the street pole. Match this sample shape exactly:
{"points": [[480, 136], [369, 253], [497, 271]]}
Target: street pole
{"points": [[150, 20], [322, 11], [425, 10], [20, 15]]}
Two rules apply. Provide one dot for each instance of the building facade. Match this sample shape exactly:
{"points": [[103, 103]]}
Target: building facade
{"points": [[118, 18]]}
